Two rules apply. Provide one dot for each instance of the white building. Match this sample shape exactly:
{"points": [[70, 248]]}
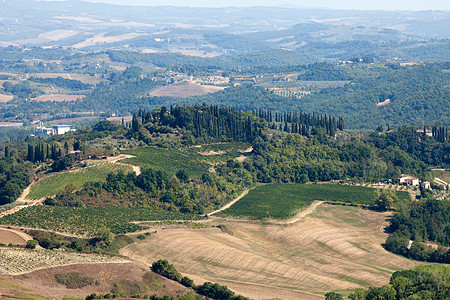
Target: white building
{"points": [[61, 129], [408, 179], [41, 130]]}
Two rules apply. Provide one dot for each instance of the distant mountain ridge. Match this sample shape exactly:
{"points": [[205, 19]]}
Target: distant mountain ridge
{"points": [[98, 26]]}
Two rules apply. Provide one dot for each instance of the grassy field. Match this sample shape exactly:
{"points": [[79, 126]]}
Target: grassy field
{"points": [[195, 160], [282, 201], [89, 220], [56, 183]]}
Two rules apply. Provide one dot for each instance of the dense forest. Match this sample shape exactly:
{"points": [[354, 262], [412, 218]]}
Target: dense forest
{"points": [[422, 222], [366, 93]]}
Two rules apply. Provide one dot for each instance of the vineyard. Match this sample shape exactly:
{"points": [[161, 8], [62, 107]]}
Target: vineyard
{"points": [[14, 261], [282, 201], [214, 153], [57, 183], [88, 221], [168, 160]]}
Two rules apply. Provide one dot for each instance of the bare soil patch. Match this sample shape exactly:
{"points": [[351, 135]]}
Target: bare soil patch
{"points": [[59, 97], [332, 248], [5, 98], [187, 90], [8, 236], [385, 102], [43, 282], [244, 155]]}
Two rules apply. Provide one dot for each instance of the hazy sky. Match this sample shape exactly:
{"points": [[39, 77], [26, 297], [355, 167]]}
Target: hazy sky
{"points": [[340, 4]]}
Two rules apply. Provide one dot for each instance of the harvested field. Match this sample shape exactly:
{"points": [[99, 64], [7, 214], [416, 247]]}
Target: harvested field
{"points": [[335, 248], [101, 38], [187, 90], [56, 35], [58, 97], [43, 282], [8, 236], [12, 260]]}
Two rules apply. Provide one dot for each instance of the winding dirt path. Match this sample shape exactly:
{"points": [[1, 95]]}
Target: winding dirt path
{"points": [[115, 160], [245, 192], [302, 214], [22, 202]]}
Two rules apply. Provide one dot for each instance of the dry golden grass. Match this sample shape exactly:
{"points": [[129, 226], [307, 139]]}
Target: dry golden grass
{"points": [[15, 261], [335, 248]]}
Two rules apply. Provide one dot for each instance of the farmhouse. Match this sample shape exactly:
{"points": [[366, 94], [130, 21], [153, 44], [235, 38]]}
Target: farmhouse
{"points": [[427, 132], [408, 180]]}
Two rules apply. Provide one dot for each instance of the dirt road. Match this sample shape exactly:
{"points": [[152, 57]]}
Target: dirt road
{"points": [[245, 192]]}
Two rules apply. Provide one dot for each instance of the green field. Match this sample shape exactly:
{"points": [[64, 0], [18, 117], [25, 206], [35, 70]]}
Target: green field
{"points": [[190, 159], [56, 183], [283, 201], [168, 160], [89, 220]]}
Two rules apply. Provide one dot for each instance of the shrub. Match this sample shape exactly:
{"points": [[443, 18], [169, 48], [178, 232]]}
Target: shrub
{"points": [[163, 268], [74, 280]]}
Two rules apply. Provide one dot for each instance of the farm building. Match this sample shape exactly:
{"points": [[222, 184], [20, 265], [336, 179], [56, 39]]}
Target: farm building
{"points": [[41, 130], [61, 129], [408, 180], [57, 129], [426, 185]]}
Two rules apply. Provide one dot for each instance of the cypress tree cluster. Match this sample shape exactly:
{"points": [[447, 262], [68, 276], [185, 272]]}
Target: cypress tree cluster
{"points": [[43, 151]]}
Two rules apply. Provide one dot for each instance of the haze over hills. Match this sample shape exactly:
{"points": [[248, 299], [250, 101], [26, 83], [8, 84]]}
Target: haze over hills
{"points": [[206, 31]]}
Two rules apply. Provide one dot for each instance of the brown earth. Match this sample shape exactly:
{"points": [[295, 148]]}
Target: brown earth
{"points": [[334, 248], [43, 282], [8, 236], [187, 90], [5, 98], [58, 97]]}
